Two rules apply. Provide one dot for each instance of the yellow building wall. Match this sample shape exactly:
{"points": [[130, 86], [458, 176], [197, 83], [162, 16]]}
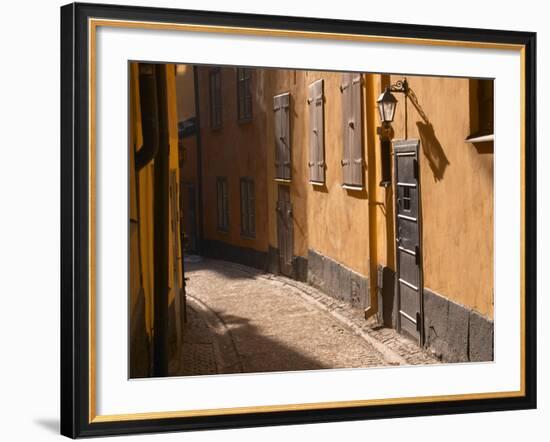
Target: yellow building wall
{"points": [[188, 149], [141, 206], [338, 218], [185, 87], [235, 150], [456, 179], [329, 219], [173, 162], [457, 192], [140, 219], [185, 103], [381, 197], [279, 82]]}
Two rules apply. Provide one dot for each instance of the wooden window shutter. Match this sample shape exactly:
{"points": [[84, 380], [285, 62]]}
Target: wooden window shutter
{"points": [[248, 209], [345, 89], [277, 133], [320, 129], [248, 93], [281, 111], [215, 99], [244, 207], [251, 208], [220, 204], [244, 94], [356, 131], [223, 203], [312, 160], [316, 104], [226, 203]]}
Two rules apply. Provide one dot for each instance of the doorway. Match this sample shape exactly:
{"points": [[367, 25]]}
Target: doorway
{"points": [[284, 230], [408, 234]]}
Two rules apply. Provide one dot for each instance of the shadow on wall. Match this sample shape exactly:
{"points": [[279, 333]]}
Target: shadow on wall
{"points": [[432, 149], [486, 147]]}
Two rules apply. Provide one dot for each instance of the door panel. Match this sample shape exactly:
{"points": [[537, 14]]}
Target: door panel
{"points": [[407, 196], [407, 266], [284, 230], [408, 239]]}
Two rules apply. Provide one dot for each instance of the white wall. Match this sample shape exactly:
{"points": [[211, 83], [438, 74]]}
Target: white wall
{"points": [[29, 220]]}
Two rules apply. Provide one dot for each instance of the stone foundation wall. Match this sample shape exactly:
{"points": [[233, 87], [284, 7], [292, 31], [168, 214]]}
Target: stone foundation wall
{"points": [[454, 332], [229, 252], [336, 280]]}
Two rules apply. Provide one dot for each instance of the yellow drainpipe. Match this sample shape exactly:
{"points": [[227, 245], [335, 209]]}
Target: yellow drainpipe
{"points": [[372, 187]]}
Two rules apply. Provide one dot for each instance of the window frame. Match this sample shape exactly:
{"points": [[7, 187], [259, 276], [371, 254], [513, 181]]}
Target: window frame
{"points": [[248, 209], [244, 94], [222, 204], [316, 154], [353, 173], [281, 117], [215, 102]]}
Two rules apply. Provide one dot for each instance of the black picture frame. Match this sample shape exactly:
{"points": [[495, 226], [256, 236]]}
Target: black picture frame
{"points": [[75, 195]]}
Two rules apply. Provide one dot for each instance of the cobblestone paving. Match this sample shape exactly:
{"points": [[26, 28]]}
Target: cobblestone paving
{"points": [[243, 320], [197, 354]]}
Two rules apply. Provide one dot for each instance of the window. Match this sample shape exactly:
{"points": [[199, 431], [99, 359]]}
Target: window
{"points": [[248, 207], [223, 204], [352, 131], [485, 100], [281, 115], [215, 98], [316, 162], [481, 111], [244, 94], [407, 199]]}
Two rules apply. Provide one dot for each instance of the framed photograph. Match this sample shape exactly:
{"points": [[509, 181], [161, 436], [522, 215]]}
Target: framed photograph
{"points": [[272, 220]]}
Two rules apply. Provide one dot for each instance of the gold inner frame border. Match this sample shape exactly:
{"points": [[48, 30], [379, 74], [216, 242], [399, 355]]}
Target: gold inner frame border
{"points": [[93, 24]]}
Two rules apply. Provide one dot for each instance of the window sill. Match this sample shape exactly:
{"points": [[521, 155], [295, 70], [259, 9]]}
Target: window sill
{"points": [[283, 180], [317, 183], [479, 138], [244, 120], [349, 187], [248, 236]]}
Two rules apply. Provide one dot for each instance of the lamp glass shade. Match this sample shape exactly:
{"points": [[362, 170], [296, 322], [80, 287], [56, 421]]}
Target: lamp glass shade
{"points": [[386, 106]]}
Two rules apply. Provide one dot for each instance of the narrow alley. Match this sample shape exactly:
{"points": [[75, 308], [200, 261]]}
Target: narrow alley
{"points": [[242, 320]]}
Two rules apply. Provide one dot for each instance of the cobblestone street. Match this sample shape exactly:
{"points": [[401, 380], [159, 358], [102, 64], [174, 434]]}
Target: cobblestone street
{"points": [[240, 319]]}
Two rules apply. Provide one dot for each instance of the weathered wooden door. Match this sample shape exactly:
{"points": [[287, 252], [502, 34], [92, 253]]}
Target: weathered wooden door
{"points": [[284, 230], [408, 236]]}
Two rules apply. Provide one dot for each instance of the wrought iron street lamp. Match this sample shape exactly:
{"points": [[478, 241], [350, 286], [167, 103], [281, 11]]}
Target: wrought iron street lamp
{"points": [[387, 101], [387, 104]]}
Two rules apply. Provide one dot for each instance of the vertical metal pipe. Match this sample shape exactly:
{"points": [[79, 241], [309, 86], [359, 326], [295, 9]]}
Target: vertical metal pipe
{"points": [[160, 230], [406, 118], [370, 99]]}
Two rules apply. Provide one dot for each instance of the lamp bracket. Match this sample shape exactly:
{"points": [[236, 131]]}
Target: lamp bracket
{"points": [[401, 86], [385, 131]]}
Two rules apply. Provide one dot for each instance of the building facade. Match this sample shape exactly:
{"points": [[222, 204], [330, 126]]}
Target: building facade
{"points": [[297, 177], [156, 301]]}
